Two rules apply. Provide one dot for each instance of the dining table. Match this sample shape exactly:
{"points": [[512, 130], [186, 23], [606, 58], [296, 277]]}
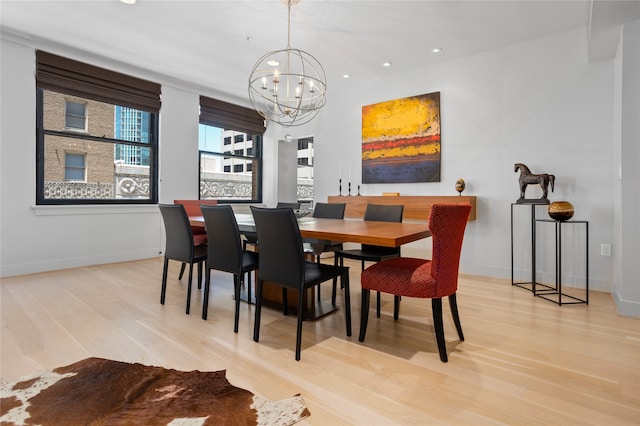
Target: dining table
{"points": [[388, 234]]}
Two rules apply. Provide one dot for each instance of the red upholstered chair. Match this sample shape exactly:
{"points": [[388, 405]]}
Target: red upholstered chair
{"points": [[431, 279], [192, 207]]}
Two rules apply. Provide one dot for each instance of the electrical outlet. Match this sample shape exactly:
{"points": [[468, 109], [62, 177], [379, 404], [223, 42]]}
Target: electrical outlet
{"points": [[605, 249]]}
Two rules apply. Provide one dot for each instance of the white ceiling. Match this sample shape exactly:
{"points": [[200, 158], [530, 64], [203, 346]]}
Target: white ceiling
{"points": [[214, 44]]}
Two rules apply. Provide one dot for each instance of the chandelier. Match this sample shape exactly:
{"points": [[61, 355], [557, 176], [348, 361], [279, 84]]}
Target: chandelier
{"points": [[288, 86]]}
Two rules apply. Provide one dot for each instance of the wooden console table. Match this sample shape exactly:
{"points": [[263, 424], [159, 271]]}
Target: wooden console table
{"points": [[416, 207]]}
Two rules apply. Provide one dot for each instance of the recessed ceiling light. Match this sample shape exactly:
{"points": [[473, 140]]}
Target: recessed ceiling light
{"points": [[386, 64], [436, 50], [129, 1], [346, 75]]}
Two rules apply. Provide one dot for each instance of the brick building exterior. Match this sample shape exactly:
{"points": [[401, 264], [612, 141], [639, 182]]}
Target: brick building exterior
{"points": [[98, 156]]}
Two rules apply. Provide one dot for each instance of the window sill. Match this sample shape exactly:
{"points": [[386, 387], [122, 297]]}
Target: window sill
{"points": [[62, 210]]}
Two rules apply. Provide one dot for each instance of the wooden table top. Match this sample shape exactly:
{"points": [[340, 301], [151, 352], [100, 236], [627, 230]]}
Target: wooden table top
{"points": [[388, 234]]}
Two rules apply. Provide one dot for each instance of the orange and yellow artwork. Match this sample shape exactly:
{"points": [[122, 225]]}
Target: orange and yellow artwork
{"points": [[401, 140]]}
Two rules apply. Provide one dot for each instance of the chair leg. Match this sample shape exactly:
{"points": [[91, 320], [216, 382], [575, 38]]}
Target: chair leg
{"points": [[318, 289], [189, 288], [436, 306], [396, 307], [182, 270], [237, 282], [256, 322], [377, 297], [285, 302], [333, 297], [335, 281], [205, 299], [299, 328], [199, 275], [364, 313], [163, 291], [454, 312], [347, 300], [249, 285]]}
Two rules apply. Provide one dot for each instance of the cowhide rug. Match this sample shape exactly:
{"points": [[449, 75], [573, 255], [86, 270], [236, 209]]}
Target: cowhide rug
{"points": [[99, 391]]}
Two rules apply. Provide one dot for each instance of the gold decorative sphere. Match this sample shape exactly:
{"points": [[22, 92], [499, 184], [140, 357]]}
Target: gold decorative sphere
{"points": [[561, 210], [460, 185]]}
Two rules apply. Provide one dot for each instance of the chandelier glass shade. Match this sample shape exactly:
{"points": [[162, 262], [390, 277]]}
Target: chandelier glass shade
{"points": [[288, 86]]}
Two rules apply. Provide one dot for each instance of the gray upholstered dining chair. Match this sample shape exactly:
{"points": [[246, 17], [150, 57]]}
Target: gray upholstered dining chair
{"points": [[225, 254], [373, 253], [317, 247], [282, 262], [293, 205], [252, 238], [180, 246], [192, 207]]}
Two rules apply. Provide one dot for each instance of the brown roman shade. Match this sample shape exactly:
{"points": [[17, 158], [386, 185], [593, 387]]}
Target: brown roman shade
{"points": [[75, 78], [229, 116]]}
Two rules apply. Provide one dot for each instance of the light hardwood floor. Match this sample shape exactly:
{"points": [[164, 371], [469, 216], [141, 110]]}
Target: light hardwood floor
{"points": [[525, 361]]}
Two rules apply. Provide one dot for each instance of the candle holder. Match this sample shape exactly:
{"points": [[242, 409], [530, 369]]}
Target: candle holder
{"points": [[340, 187], [358, 190], [349, 193]]}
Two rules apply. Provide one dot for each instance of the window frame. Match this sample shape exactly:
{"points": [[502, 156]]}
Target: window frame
{"points": [[232, 117], [68, 77], [246, 162]]}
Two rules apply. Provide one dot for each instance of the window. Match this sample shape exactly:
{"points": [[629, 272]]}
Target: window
{"points": [[131, 125], [303, 143], [74, 169], [97, 134], [75, 116], [232, 176], [305, 169]]}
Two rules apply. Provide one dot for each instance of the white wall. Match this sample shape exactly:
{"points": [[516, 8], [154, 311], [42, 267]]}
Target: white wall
{"points": [[539, 103], [287, 172], [627, 183], [178, 145], [35, 239], [43, 238]]}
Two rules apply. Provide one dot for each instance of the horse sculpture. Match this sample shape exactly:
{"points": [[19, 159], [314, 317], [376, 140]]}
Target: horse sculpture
{"points": [[526, 177]]}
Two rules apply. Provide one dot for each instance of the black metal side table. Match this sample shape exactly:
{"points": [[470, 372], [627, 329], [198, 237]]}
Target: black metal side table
{"points": [[547, 291], [532, 286]]}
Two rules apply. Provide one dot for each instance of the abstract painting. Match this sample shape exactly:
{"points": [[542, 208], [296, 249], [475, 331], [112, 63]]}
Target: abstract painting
{"points": [[401, 140]]}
